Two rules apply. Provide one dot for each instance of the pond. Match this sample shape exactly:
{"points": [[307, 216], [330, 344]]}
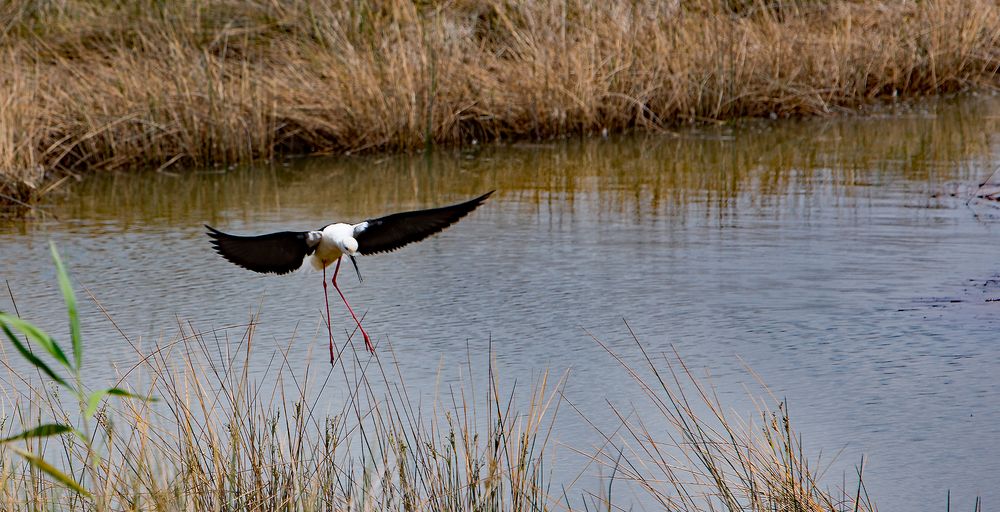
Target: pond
{"points": [[841, 260]]}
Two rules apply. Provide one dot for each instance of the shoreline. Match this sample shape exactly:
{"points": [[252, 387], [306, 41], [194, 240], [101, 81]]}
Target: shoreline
{"points": [[104, 88]]}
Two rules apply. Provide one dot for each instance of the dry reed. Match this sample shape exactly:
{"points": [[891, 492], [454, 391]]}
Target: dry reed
{"points": [[92, 85], [221, 438], [224, 437], [690, 454]]}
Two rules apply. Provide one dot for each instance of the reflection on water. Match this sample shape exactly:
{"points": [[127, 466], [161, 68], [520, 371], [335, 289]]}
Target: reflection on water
{"points": [[762, 165], [837, 258]]}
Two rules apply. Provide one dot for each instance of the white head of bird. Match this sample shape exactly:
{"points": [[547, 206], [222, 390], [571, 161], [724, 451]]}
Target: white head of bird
{"points": [[351, 246]]}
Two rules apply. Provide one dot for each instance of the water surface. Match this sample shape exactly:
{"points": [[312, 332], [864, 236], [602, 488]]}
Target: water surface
{"points": [[838, 259]]}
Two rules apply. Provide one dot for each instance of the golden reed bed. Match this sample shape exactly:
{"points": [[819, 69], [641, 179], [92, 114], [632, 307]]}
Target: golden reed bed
{"points": [[89, 86]]}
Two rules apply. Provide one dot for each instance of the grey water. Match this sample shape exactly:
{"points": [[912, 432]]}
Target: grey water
{"points": [[840, 260]]}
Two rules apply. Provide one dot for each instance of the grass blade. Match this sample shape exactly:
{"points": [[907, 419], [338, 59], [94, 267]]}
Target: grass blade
{"points": [[74, 319], [46, 430], [93, 401], [95, 398], [39, 337], [41, 464], [5, 323], [122, 393]]}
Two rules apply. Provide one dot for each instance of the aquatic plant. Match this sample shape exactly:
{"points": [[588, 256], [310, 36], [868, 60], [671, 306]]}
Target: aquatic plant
{"points": [[224, 438], [223, 441], [689, 453], [88, 400], [92, 86]]}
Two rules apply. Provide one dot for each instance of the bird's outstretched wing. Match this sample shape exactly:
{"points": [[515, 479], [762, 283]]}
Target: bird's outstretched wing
{"points": [[279, 253], [391, 232]]}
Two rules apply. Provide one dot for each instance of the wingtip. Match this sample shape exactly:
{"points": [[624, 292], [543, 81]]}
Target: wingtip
{"points": [[481, 199]]}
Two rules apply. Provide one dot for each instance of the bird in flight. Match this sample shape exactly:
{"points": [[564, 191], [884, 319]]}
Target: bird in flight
{"points": [[286, 251]]}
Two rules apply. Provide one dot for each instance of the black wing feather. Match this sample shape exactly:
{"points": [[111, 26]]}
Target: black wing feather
{"points": [[391, 232], [279, 253]]}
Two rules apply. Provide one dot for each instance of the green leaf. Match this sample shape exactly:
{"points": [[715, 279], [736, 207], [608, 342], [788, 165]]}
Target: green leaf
{"points": [[46, 430], [70, 298], [121, 392], [41, 464], [5, 322], [95, 398], [93, 401], [39, 337]]}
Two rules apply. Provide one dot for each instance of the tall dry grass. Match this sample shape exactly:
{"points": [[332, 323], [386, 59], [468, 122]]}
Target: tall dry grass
{"points": [[693, 453], [225, 434], [222, 438], [90, 85]]}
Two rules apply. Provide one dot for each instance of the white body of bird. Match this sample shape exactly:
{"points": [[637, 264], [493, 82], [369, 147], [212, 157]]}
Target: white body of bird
{"points": [[337, 240]]}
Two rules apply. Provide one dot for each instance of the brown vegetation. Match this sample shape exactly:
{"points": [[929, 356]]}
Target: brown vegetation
{"points": [[225, 436], [89, 85]]}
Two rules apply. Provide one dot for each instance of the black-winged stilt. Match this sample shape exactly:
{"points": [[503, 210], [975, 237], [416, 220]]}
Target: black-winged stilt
{"points": [[285, 251]]}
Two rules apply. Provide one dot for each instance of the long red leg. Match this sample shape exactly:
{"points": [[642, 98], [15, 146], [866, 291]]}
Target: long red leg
{"points": [[329, 326], [368, 341]]}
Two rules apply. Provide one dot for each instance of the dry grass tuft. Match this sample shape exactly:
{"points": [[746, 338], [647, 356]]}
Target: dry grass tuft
{"points": [[107, 85], [224, 436], [691, 454]]}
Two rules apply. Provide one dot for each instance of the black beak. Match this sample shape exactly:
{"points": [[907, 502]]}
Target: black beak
{"points": [[355, 262]]}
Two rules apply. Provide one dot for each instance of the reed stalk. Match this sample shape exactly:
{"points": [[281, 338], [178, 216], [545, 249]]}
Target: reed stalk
{"points": [[92, 86]]}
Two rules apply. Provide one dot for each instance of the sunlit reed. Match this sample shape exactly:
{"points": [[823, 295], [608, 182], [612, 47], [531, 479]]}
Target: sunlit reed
{"points": [[168, 85]]}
